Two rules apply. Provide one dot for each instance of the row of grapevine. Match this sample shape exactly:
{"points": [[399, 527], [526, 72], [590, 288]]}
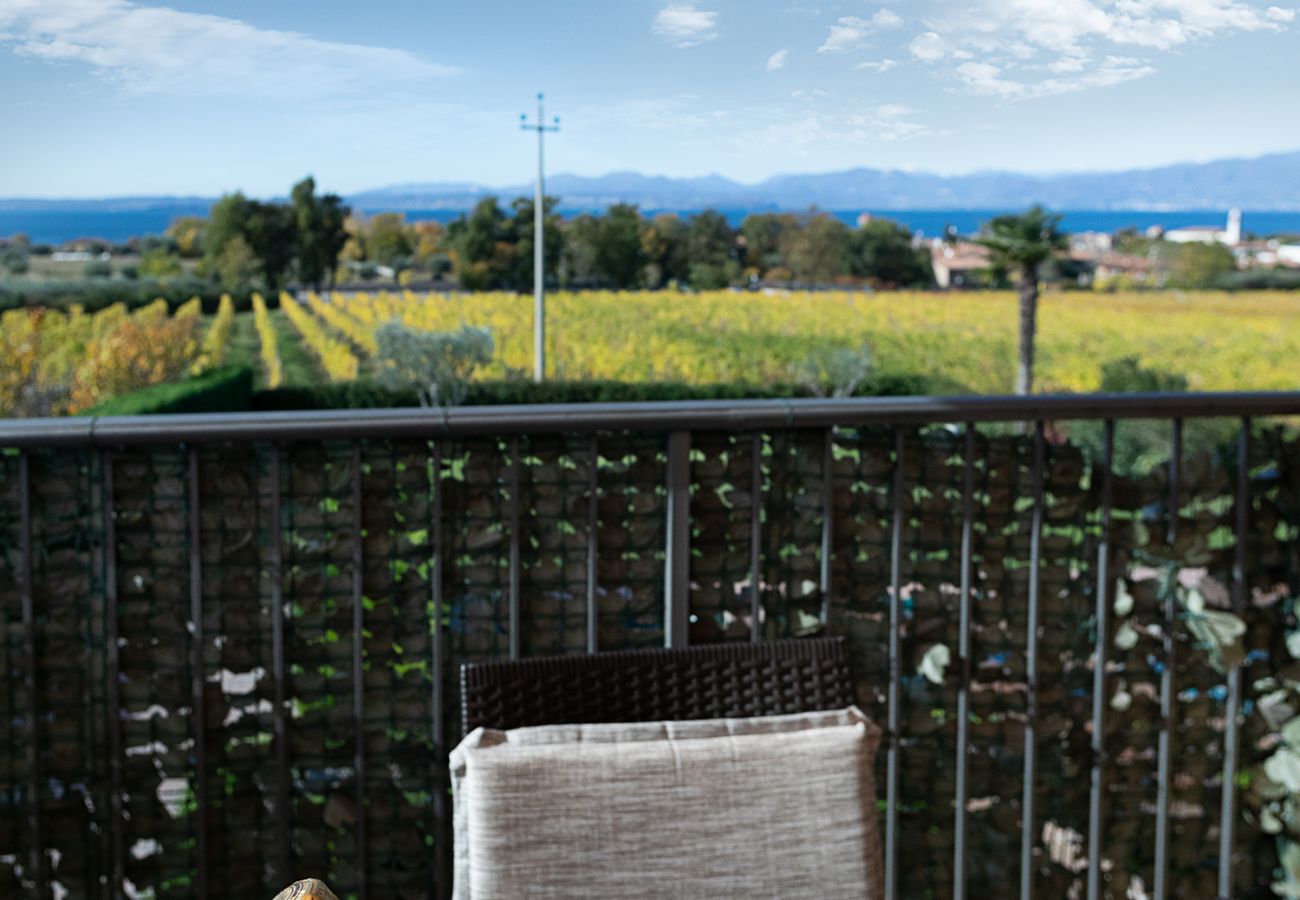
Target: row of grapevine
{"points": [[334, 355], [360, 334], [217, 338], [57, 363], [967, 341], [270, 349]]}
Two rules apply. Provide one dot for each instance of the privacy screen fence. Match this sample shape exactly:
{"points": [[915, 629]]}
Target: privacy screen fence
{"points": [[230, 643]]}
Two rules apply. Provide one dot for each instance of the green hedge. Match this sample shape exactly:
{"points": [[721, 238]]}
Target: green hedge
{"points": [[363, 394], [228, 389], [96, 294]]}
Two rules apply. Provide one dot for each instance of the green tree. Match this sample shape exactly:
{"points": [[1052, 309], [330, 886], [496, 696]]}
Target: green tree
{"points": [[237, 267], [663, 244], [818, 250], [273, 235], [482, 247], [157, 262], [1020, 244], [518, 232], [319, 223], [267, 229], [765, 235], [13, 257], [619, 257], [187, 232], [882, 251], [1193, 265], [710, 247], [388, 239]]}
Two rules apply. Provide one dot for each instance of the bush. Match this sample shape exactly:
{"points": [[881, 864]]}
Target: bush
{"points": [[227, 389], [437, 365], [1259, 280], [98, 268], [1128, 375], [364, 394]]}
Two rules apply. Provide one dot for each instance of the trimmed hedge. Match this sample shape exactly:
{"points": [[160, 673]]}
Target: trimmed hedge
{"points": [[227, 389], [363, 394], [96, 294]]}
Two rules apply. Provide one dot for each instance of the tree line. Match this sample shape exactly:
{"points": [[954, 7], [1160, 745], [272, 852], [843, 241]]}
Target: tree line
{"points": [[315, 240]]}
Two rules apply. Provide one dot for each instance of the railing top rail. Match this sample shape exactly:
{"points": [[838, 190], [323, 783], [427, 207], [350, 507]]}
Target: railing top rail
{"points": [[691, 415]]}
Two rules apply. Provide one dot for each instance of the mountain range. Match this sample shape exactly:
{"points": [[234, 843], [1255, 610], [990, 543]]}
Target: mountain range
{"points": [[1269, 182]]}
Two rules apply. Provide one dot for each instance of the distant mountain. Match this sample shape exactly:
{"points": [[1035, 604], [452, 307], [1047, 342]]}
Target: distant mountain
{"points": [[1260, 184], [1263, 183]]}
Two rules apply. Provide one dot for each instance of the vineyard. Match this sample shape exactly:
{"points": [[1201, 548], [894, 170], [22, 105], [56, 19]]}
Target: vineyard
{"points": [[54, 362], [1218, 341]]}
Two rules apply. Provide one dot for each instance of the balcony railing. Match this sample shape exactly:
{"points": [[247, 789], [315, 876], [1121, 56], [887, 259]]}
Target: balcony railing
{"points": [[230, 641]]}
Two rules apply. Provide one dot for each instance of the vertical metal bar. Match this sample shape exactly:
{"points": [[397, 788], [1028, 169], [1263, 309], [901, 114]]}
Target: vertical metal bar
{"points": [[358, 669], [1164, 747], [895, 694], [197, 675], [677, 557], [962, 790], [756, 540], [828, 523], [512, 515], [436, 576], [1231, 738], [113, 688], [442, 835], [1099, 668], [35, 823], [593, 549], [1031, 676], [278, 666]]}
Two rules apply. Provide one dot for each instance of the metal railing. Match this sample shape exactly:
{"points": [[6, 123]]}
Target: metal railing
{"points": [[99, 449]]}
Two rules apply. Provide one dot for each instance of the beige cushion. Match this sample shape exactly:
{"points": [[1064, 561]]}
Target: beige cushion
{"points": [[776, 806]]}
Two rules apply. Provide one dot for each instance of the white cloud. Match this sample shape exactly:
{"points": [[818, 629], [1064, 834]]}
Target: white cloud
{"points": [[810, 134], [850, 32], [883, 65], [990, 80], [929, 46], [156, 49], [993, 46], [777, 60], [685, 25]]}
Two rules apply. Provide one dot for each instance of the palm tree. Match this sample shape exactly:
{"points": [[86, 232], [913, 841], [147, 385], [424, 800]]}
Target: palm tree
{"points": [[1020, 244]]}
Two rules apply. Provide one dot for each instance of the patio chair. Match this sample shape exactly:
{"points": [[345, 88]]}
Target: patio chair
{"points": [[715, 681], [737, 770]]}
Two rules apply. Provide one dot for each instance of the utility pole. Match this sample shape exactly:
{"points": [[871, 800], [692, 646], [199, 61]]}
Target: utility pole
{"points": [[539, 255]]}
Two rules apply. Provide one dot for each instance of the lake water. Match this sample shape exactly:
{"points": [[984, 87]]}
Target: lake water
{"points": [[57, 226]]}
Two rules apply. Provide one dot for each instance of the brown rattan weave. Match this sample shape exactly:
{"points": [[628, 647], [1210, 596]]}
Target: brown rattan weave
{"points": [[706, 682]]}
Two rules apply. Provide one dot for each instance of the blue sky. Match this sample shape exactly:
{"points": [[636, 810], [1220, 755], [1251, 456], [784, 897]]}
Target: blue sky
{"points": [[113, 97]]}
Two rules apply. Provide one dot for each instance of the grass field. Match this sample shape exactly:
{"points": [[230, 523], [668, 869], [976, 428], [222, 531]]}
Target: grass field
{"points": [[963, 342]]}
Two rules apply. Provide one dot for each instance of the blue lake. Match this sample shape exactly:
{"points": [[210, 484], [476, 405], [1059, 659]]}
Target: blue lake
{"points": [[56, 226]]}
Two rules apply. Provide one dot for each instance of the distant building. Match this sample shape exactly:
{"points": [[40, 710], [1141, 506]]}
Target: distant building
{"points": [[1209, 234], [958, 265]]}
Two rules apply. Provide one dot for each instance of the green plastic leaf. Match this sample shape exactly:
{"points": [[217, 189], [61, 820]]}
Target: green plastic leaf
{"points": [[1126, 637], [1291, 733], [934, 663], [1123, 599], [1283, 767], [1220, 633]]}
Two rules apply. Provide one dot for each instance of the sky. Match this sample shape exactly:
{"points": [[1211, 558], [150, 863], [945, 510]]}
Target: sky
{"points": [[117, 97]]}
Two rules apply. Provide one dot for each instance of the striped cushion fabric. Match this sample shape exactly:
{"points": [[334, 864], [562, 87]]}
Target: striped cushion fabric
{"points": [[776, 806]]}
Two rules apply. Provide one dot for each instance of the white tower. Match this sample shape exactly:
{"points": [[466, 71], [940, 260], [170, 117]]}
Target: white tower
{"points": [[1232, 237]]}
